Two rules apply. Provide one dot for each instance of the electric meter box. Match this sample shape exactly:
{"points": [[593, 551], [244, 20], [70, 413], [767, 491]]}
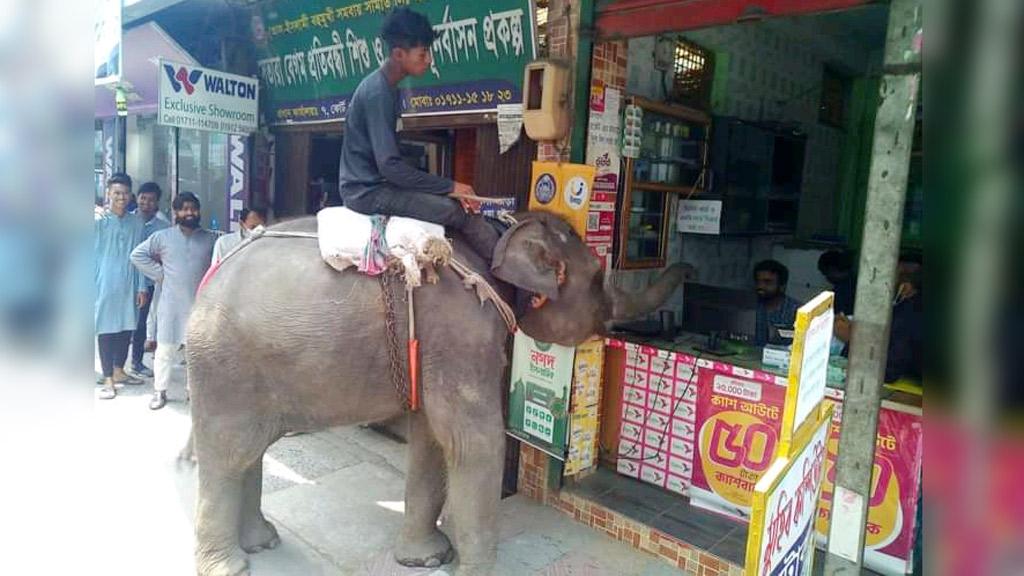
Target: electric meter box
{"points": [[546, 100]]}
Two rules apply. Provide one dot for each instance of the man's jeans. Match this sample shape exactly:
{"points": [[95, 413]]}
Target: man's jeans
{"points": [[139, 336]]}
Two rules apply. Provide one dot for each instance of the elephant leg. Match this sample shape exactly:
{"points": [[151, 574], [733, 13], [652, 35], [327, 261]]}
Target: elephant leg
{"points": [[475, 454], [420, 542], [256, 532], [217, 522]]}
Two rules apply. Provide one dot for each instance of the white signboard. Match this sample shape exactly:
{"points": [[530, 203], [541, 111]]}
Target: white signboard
{"points": [[205, 99], [107, 55], [814, 365], [808, 369], [781, 541], [699, 216]]}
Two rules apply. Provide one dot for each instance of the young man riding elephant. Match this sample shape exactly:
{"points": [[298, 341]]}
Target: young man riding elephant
{"points": [[374, 179]]}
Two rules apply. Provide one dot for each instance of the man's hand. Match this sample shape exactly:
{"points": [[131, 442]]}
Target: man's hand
{"points": [[842, 327], [141, 299], [150, 346], [460, 191]]}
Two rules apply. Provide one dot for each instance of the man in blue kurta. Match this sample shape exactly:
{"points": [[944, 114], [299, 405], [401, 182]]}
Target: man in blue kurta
{"points": [[177, 258], [120, 290]]}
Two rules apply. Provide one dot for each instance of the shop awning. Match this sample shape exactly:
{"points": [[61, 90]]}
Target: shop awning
{"points": [[142, 47], [632, 18]]}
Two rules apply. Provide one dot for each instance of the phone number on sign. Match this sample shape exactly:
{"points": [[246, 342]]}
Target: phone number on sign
{"points": [[465, 98]]}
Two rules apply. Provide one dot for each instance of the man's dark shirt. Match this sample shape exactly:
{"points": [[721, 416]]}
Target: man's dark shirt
{"points": [[844, 292], [906, 341], [784, 316], [370, 157]]}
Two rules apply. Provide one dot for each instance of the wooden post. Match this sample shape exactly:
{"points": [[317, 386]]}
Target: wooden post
{"points": [[883, 223]]}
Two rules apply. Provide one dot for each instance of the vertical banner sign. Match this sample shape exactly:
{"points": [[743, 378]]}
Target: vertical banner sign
{"points": [[563, 189], [314, 56], [603, 136], [206, 99], [781, 535], [539, 395], [895, 480], [107, 56], [238, 181], [586, 396], [808, 367], [739, 417]]}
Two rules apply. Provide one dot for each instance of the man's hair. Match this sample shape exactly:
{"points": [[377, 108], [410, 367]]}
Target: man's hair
{"points": [[150, 188], [181, 199], [838, 259], [262, 212], [774, 267], [405, 28], [119, 178]]}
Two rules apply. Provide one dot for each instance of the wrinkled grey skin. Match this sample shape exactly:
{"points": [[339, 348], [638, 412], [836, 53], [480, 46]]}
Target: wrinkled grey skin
{"points": [[280, 342]]}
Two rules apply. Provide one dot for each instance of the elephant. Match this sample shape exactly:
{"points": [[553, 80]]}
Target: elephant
{"points": [[279, 342]]}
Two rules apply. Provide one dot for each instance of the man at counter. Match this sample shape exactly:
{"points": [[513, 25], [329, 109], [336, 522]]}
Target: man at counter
{"points": [[906, 334], [774, 308], [837, 267]]}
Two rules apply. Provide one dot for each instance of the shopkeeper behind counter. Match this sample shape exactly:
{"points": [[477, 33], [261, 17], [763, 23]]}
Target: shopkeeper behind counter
{"points": [[775, 310]]}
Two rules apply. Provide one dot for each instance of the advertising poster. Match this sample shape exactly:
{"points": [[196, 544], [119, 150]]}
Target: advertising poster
{"points": [[586, 396], [205, 99], [739, 416], [781, 536], [563, 189], [603, 139], [889, 538], [314, 55], [539, 394]]}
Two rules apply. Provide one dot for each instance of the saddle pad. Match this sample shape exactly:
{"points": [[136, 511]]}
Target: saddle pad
{"points": [[344, 235]]}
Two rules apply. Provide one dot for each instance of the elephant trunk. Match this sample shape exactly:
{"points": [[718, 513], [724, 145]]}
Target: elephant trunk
{"points": [[626, 305]]}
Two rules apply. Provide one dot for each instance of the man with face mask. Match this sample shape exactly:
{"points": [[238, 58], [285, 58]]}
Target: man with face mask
{"points": [[176, 257], [374, 179], [248, 220]]}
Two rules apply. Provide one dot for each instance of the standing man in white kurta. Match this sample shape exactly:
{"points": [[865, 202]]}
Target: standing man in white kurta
{"points": [[177, 257]]}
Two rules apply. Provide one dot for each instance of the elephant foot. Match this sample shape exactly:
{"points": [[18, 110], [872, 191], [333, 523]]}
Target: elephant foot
{"points": [[430, 551], [232, 564], [259, 535]]}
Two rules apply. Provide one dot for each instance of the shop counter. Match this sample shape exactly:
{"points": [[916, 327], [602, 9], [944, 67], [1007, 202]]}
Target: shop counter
{"points": [[707, 427]]}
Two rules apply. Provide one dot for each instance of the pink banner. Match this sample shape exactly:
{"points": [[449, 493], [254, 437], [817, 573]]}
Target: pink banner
{"points": [[738, 420], [889, 538]]}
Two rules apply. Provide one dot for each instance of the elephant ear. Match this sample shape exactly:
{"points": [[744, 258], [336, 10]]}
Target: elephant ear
{"points": [[526, 258]]}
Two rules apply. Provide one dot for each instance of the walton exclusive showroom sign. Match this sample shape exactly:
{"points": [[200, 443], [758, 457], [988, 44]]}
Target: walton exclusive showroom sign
{"points": [[205, 99]]}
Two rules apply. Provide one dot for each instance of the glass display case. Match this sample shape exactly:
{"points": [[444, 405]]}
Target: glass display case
{"points": [[669, 156]]}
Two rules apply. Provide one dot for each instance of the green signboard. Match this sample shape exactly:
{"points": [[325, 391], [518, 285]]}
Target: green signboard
{"points": [[539, 395], [313, 54]]}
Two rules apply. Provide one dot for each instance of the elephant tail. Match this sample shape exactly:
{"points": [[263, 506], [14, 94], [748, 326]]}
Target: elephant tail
{"points": [[187, 455]]}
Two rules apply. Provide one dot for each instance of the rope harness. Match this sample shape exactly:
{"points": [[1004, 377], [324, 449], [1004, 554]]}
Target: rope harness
{"points": [[400, 370]]}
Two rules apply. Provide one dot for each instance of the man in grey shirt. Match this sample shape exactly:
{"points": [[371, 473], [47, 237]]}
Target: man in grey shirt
{"points": [[177, 257], [374, 179]]}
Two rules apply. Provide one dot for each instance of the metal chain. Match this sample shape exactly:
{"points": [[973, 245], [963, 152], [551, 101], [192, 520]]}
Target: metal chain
{"points": [[399, 375]]}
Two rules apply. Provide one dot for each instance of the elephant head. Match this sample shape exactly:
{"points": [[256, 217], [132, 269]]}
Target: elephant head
{"points": [[563, 297]]}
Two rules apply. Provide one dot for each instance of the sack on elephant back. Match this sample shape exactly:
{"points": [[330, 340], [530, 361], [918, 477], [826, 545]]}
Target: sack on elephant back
{"points": [[348, 238]]}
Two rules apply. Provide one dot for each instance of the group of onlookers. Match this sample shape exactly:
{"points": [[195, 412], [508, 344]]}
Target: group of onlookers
{"points": [[144, 264]]}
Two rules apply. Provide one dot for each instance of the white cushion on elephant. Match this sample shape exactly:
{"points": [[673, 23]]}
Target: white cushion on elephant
{"points": [[344, 234]]}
